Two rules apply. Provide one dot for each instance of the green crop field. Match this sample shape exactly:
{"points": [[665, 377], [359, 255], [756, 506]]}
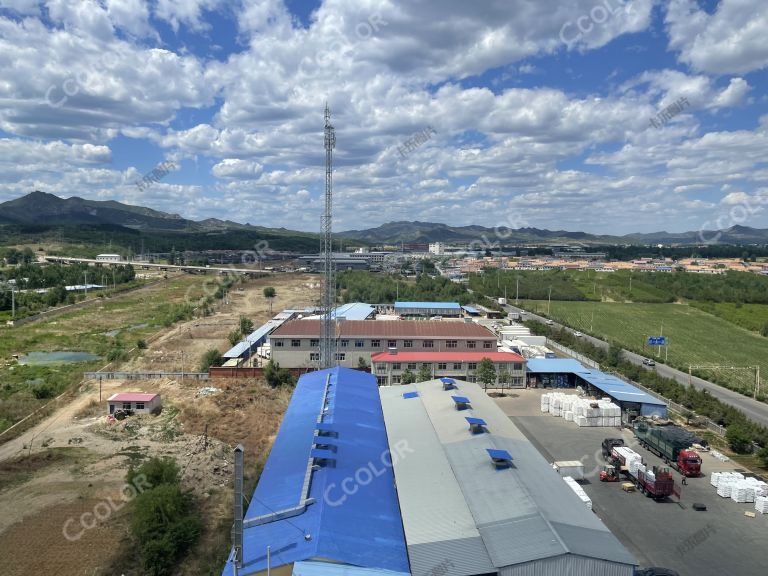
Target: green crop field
{"points": [[694, 336]]}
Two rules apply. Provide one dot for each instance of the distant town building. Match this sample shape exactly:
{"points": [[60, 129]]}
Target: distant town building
{"points": [[109, 258], [437, 248]]}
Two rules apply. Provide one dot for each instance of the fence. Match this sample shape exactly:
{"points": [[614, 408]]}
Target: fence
{"points": [[586, 360], [679, 408], [144, 375]]}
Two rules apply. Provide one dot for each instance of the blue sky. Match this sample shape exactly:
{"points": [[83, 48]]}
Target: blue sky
{"points": [[541, 109]]}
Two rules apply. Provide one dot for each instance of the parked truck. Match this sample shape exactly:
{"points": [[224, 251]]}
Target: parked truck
{"points": [[656, 482], [609, 444], [672, 443]]}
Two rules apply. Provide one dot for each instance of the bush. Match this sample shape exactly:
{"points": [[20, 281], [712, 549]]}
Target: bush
{"points": [[157, 471], [738, 439], [165, 527], [141, 344], [211, 358], [115, 354], [276, 376], [44, 390]]}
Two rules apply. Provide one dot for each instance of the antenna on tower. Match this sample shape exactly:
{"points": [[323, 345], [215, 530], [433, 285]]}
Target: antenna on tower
{"points": [[328, 322]]}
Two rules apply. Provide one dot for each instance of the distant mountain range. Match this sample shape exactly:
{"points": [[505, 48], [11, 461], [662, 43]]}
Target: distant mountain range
{"points": [[48, 210], [423, 232]]}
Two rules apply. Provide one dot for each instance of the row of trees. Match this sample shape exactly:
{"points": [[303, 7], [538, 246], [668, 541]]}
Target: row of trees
{"points": [[31, 276], [361, 286]]}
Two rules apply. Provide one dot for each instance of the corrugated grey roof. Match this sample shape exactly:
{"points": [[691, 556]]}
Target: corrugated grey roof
{"points": [[522, 513], [432, 505]]}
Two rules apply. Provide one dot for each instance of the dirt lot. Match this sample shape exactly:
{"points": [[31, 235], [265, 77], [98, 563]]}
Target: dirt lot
{"points": [[194, 338], [74, 461]]}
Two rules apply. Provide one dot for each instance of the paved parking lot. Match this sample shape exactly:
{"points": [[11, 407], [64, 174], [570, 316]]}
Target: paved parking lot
{"points": [[718, 542]]}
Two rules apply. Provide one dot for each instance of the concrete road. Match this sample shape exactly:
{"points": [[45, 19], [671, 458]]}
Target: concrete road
{"points": [[717, 542], [754, 410]]}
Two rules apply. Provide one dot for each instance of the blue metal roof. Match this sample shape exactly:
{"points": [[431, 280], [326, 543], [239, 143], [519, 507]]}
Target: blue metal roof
{"points": [[348, 522], [354, 311], [253, 339], [607, 383], [618, 389], [443, 305], [554, 366], [471, 310]]}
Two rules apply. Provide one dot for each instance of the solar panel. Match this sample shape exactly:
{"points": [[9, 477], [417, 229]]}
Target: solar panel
{"points": [[502, 455], [410, 395], [322, 454], [478, 421], [447, 381], [460, 399]]}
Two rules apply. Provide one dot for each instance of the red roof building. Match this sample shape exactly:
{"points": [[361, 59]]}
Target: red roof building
{"points": [[136, 402], [389, 368]]}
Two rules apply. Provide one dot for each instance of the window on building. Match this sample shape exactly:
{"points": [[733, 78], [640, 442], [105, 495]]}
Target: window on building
{"points": [[471, 344], [139, 405], [314, 356], [375, 343], [457, 365], [278, 343], [391, 343], [126, 405], [295, 343], [451, 343], [517, 366], [407, 343], [381, 380], [395, 379], [442, 365], [428, 344], [340, 356], [426, 365], [381, 368], [396, 366], [487, 344], [471, 378], [314, 343], [472, 365], [344, 343], [517, 381], [412, 366], [359, 343]]}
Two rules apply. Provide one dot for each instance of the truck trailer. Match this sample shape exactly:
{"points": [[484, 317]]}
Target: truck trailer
{"points": [[656, 482], [672, 443]]}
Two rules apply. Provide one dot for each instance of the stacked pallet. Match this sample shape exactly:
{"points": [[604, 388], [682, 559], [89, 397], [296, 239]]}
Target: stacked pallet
{"points": [[583, 411], [735, 486], [761, 504], [579, 491]]}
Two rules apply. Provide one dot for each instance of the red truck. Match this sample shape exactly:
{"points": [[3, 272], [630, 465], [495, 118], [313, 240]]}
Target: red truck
{"points": [[672, 443], [658, 484]]}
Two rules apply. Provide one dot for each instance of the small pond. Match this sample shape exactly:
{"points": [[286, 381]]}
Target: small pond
{"points": [[61, 357]]}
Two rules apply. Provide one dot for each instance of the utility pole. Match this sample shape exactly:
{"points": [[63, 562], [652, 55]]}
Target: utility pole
{"points": [[85, 274], [549, 299], [517, 288], [661, 333]]}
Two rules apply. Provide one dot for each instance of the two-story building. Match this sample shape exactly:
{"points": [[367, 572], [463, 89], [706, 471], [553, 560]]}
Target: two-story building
{"points": [[388, 367], [296, 344]]}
